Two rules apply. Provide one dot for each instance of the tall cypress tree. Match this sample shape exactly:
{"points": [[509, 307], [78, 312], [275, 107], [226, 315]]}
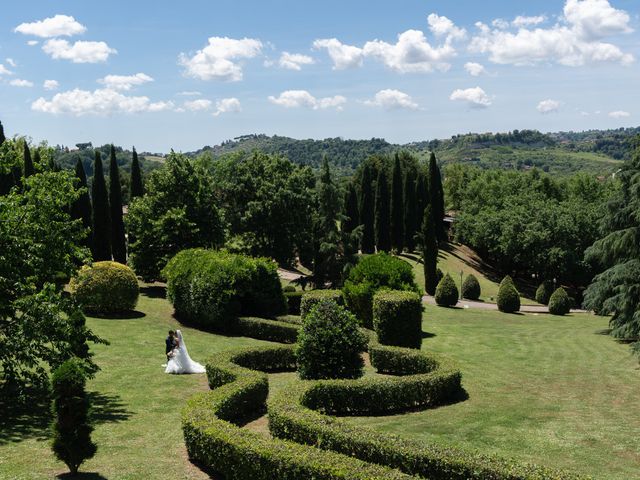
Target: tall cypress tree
{"points": [[2, 137], [422, 198], [397, 207], [367, 212], [81, 208], [437, 197], [383, 213], [351, 213], [137, 187], [118, 241], [410, 210], [101, 218], [27, 169], [429, 251]]}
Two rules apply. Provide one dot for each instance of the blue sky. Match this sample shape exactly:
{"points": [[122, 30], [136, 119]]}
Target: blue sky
{"points": [[166, 74]]}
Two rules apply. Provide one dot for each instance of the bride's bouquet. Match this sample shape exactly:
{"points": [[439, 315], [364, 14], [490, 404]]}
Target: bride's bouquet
{"points": [[172, 353]]}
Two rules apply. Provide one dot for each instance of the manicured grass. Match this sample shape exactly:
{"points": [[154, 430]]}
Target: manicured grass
{"points": [[138, 429], [545, 389]]}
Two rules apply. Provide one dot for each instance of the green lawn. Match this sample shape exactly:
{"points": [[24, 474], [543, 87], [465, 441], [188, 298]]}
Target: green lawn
{"points": [[544, 389]]}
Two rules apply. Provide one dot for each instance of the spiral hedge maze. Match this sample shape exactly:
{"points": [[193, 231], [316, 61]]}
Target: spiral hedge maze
{"points": [[308, 441]]}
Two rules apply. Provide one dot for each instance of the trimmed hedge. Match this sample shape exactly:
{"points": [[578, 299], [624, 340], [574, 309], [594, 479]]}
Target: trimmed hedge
{"points": [[265, 329], [313, 297], [559, 303], [212, 438], [211, 288], [508, 297], [293, 302], [543, 292], [471, 288], [397, 318], [446, 292], [373, 273], [105, 288]]}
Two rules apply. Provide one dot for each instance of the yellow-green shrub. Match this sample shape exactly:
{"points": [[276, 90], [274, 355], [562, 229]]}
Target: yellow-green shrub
{"points": [[105, 288]]}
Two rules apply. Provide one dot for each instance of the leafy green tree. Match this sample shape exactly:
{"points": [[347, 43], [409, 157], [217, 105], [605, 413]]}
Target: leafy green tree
{"points": [[382, 213], [367, 211], [81, 207], [71, 429], [397, 207], [437, 197], [118, 241], [10, 165], [617, 255], [101, 215], [137, 187], [410, 211], [429, 251], [28, 168], [178, 211]]}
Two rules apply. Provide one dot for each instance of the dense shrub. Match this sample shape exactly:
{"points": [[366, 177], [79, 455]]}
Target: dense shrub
{"points": [[71, 431], [559, 303], [105, 288], [312, 298], [288, 289], [329, 344], [211, 288], [371, 274], [543, 292], [447, 292], [471, 288], [397, 318], [508, 297], [293, 301], [265, 329]]}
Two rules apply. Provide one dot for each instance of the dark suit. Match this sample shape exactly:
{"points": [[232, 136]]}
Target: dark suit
{"points": [[170, 343]]}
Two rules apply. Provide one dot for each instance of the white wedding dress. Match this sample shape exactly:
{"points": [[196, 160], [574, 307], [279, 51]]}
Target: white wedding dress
{"points": [[181, 361]]}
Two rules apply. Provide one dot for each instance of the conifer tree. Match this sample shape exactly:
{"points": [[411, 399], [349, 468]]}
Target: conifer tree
{"points": [[410, 210], [101, 219], [351, 215], [383, 213], [429, 251], [118, 241], [2, 137], [81, 208], [137, 187], [28, 169], [397, 207], [422, 198], [367, 212], [437, 197]]}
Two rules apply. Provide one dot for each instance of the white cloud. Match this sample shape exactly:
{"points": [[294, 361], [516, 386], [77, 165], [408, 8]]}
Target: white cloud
{"points": [[343, 56], [11, 62], [198, 105], [294, 61], [441, 26], [474, 69], [33, 43], [619, 114], [125, 82], [218, 60], [227, 105], [50, 84], [18, 82], [574, 41], [102, 101], [521, 21], [57, 26], [475, 97], [189, 93], [392, 99], [548, 106], [411, 53], [302, 98], [78, 52], [500, 24], [4, 70]]}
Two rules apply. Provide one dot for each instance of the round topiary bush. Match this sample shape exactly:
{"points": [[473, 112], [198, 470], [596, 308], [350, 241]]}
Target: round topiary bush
{"points": [[329, 343], [559, 303], [543, 292], [372, 273], [508, 297], [471, 288], [397, 318], [312, 297], [105, 288], [446, 292]]}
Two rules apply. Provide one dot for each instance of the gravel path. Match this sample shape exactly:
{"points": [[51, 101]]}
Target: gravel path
{"points": [[492, 306]]}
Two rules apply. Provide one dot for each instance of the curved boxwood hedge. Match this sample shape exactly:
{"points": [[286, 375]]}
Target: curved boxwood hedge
{"points": [[265, 329], [293, 302], [311, 298], [397, 318]]}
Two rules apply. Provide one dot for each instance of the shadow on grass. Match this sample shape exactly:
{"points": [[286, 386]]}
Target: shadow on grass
{"points": [[120, 316], [31, 418], [213, 475], [154, 291], [428, 335], [82, 476]]}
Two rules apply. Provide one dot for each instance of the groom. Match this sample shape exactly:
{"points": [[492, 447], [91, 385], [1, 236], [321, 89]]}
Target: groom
{"points": [[170, 343]]}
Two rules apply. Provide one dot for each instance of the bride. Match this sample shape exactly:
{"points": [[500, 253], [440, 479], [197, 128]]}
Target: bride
{"points": [[180, 361]]}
